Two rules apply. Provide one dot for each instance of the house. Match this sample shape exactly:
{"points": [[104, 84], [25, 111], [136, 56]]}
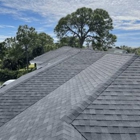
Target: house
{"points": [[46, 58], [80, 95], [116, 50]]}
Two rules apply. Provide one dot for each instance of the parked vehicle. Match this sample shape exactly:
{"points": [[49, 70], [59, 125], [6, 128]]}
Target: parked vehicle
{"points": [[7, 82]]}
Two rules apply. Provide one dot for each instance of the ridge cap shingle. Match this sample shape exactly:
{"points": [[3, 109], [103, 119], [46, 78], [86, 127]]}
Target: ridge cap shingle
{"points": [[12, 98], [89, 97], [79, 108]]}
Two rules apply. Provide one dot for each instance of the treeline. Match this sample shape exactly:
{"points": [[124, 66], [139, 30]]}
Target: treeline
{"points": [[16, 52], [82, 27], [6, 74]]}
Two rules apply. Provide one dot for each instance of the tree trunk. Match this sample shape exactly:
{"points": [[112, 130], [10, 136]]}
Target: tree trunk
{"points": [[26, 51], [81, 42]]}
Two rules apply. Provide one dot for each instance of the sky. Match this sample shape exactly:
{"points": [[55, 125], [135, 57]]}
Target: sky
{"points": [[44, 15]]}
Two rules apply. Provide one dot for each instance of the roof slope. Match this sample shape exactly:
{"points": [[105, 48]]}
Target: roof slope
{"points": [[64, 97], [115, 114], [30, 91], [51, 54]]}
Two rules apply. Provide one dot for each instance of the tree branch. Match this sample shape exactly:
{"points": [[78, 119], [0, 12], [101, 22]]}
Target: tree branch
{"points": [[73, 31]]}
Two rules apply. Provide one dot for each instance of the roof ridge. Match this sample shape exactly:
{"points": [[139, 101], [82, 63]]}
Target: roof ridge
{"points": [[51, 51], [79, 108], [70, 56], [47, 62]]}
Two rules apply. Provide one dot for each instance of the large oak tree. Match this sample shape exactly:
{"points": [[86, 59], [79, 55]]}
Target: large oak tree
{"points": [[86, 24]]}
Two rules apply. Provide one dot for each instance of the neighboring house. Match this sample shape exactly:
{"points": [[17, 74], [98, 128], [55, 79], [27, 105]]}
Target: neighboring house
{"points": [[80, 95], [46, 58], [115, 50]]}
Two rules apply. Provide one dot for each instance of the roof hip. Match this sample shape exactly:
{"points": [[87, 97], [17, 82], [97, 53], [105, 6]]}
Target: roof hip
{"points": [[74, 113]]}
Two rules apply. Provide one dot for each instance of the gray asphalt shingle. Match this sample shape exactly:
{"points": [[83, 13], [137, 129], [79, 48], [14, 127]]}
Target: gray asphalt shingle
{"points": [[73, 101], [30, 91], [116, 112], [45, 119], [46, 57]]}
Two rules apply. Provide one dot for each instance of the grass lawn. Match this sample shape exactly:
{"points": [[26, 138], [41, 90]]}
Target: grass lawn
{"points": [[31, 66]]}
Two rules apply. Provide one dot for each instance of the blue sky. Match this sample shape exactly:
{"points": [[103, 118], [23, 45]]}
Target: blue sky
{"points": [[43, 15]]}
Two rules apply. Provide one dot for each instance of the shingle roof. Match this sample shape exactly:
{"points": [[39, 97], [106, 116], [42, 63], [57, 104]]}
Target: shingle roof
{"points": [[115, 114], [53, 56], [87, 95], [30, 91]]}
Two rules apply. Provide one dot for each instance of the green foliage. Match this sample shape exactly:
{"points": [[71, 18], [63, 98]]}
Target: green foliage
{"points": [[137, 51], [25, 36], [104, 42], [9, 64], [68, 41], [15, 53], [44, 41], [23, 72], [38, 50], [2, 50], [87, 24], [7, 74], [42, 44], [130, 49]]}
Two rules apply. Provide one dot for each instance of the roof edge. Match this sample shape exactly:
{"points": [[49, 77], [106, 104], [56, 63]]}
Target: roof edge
{"points": [[31, 74], [49, 52], [79, 108]]}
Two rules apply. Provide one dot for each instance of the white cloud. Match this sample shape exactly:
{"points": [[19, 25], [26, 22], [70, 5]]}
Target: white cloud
{"points": [[7, 26], [128, 34], [26, 19], [3, 37], [54, 9], [127, 24], [125, 13], [8, 11]]}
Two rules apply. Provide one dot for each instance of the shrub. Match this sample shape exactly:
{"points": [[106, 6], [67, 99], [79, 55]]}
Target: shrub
{"points": [[6, 74]]}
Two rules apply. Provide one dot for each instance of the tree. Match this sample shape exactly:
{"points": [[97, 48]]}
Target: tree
{"points": [[45, 41], [86, 24], [137, 51], [128, 49], [25, 36], [25, 46], [104, 42], [14, 56], [68, 41], [9, 63], [42, 44], [2, 50]]}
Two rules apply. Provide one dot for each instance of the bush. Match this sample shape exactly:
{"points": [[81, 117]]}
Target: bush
{"points": [[20, 73], [7, 74]]}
